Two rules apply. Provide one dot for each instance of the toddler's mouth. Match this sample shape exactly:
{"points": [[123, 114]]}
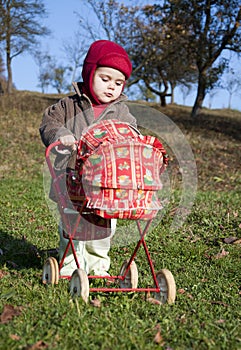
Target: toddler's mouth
{"points": [[107, 94]]}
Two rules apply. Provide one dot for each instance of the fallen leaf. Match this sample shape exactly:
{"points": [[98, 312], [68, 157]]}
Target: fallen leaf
{"points": [[195, 240], [154, 301], [230, 240], [183, 319], [207, 256], [158, 339], [95, 302], [9, 311], [39, 345], [238, 241], [110, 281], [40, 228], [181, 291], [3, 273], [220, 321], [215, 302], [222, 254], [190, 296], [14, 337], [219, 303]]}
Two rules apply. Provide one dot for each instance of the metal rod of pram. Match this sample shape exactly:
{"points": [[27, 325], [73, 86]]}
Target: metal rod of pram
{"points": [[124, 290], [62, 205], [47, 157], [69, 244], [142, 234], [143, 242], [55, 178]]}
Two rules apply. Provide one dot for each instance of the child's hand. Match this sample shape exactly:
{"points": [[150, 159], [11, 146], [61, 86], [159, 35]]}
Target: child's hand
{"points": [[68, 140]]}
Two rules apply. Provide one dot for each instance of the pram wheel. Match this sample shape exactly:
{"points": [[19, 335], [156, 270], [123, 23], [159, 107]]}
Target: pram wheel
{"points": [[50, 271], [131, 279], [167, 287], [79, 285]]}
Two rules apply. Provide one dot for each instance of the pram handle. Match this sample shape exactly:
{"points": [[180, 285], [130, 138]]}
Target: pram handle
{"points": [[55, 144]]}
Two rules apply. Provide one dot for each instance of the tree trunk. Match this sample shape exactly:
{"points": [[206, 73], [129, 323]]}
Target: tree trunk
{"points": [[200, 95], [229, 101], [163, 100], [10, 76], [172, 97], [172, 91]]}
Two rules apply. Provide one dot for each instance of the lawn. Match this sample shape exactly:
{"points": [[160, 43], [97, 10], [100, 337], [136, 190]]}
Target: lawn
{"points": [[203, 254]]}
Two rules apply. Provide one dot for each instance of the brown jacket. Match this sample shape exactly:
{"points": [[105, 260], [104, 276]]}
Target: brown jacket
{"points": [[72, 114]]}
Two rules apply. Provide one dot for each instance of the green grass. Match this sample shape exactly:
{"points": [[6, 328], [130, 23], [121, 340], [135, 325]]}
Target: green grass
{"points": [[206, 314]]}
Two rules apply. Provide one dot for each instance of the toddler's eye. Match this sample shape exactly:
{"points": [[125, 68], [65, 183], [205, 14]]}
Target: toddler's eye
{"points": [[119, 83]]}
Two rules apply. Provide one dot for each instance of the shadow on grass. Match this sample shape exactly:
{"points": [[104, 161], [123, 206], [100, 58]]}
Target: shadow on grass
{"points": [[225, 122], [20, 254], [227, 126]]}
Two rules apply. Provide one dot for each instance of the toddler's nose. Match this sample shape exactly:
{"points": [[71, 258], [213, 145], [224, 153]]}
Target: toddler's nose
{"points": [[111, 85]]}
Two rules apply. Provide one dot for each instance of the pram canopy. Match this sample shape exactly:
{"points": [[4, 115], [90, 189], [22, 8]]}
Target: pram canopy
{"points": [[119, 171]]}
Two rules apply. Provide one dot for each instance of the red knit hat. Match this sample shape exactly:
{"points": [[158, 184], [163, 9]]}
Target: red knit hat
{"points": [[104, 53]]}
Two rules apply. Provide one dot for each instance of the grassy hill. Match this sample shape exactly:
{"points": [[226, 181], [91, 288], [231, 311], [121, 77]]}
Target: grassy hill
{"points": [[203, 255], [214, 137]]}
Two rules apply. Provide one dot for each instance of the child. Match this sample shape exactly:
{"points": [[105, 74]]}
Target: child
{"points": [[105, 70]]}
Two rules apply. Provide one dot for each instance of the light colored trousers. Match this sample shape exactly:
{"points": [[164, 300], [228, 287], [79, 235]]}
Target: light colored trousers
{"points": [[92, 255]]}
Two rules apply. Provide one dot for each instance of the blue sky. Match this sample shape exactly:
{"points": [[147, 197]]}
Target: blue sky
{"points": [[63, 23]]}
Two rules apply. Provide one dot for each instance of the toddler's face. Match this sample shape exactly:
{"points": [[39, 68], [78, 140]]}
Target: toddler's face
{"points": [[107, 84]]}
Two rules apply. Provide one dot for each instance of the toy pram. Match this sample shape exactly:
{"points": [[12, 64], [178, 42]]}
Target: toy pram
{"points": [[116, 176]]}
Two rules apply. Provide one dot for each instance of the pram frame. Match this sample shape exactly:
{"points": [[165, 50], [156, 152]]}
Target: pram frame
{"points": [[64, 212]]}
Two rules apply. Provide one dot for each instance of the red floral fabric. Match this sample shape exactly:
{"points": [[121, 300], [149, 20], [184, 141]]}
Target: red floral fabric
{"points": [[119, 171]]}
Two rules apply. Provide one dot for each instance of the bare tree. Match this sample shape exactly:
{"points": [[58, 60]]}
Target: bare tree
{"points": [[58, 80], [173, 42], [106, 12], [51, 73], [20, 26], [211, 95], [75, 49], [158, 59], [185, 90], [232, 85], [2, 69], [146, 94], [46, 65], [1, 75], [211, 28], [165, 63]]}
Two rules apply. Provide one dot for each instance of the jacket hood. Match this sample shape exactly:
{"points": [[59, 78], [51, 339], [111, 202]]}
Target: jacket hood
{"points": [[104, 53]]}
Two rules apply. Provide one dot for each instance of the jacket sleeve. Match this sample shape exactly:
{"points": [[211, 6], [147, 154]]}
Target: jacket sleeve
{"points": [[125, 116], [53, 123]]}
